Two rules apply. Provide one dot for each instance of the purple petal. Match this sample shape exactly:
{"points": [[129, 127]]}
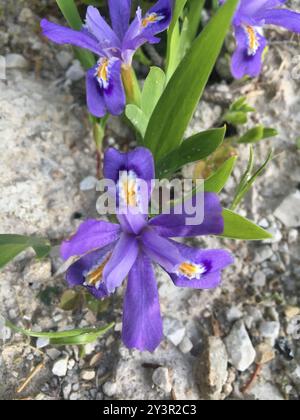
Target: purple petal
{"points": [[132, 222], [244, 63], [160, 250], [282, 17], [142, 323], [76, 274], [95, 100], [210, 263], [97, 26], [61, 35], [144, 29], [114, 94], [120, 11], [175, 225], [91, 235], [121, 262]]}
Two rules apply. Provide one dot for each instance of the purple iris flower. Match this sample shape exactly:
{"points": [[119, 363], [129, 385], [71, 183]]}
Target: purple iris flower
{"points": [[249, 20], [107, 253], [114, 47]]}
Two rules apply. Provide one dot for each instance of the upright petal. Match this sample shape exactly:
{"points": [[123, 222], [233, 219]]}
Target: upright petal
{"points": [[175, 225], [61, 35], [88, 272], [142, 323], [91, 235], [121, 262], [282, 17], [120, 11], [97, 26], [200, 269], [94, 95], [132, 222], [160, 250], [245, 63], [144, 29]]}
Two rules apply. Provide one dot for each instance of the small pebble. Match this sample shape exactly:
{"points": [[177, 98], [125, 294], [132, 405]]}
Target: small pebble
{"points": [[60, 367], [110, 389], [88, 375], [161, 379]]}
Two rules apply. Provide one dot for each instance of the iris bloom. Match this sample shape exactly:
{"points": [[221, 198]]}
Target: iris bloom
{"points": [[114, 48], [107, 253], [250, 18]]}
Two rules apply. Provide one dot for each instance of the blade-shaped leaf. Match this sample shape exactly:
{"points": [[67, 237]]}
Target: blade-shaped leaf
{"points": [[238, 227], [257, 134], [13, 245], [218, 180], [137, 118], [153, 89], [191, 150], [183, 92]]}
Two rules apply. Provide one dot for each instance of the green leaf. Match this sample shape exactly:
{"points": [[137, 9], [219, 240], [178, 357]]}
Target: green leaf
{"points": [[193, 149], [69, 337], [13, 245], [137, 117], [241, 105], [72, 16], [218, 180], [153, 89], [238, 227], [236, 117], [257, 134], [193, 19], [177, 104]]}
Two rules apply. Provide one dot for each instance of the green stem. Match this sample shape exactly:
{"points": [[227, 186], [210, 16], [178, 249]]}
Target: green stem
{"points": [[98, 134], [131, 85]]}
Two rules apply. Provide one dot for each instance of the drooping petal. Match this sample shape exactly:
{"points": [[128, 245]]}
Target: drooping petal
{"points": [[282, 17], [97, 26], [120, 16], [175, 225], [200, 269], [160, 250], [142, 323], [144, 29], [94, 95], [62, 35], [88, 270], [121, 262], [113, 93], [245, 63], [91, 235]]}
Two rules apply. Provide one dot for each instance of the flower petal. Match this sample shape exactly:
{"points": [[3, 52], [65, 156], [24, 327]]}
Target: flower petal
{"points": [[121, 262], [114, 94], [94, 95], [132, 222], [210, 263], [91, 235], [97, 26], [244, 63], [282, 17], [142, 323], [160, 250], [76, 274], [62, 35], [120, 11], [144, 29], [174, 225]]}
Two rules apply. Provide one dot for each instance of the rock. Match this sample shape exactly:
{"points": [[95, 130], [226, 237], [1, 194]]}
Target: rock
{"points": [[25, 16], [42, 342], [60, 367], [270, 330], [16, 61], [264, 354], [110, 389], [174, 330], [212, 371], [161, 378], [259, 279], [186, 345], [265, 391], [239, 347], [67, 390], [263, 253], [75, 396], [291, 311], [288, 211], [89, 183], [293, 236], [75, 72], [233, 314], [88, 375], [64, 59], [53, 353]]}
